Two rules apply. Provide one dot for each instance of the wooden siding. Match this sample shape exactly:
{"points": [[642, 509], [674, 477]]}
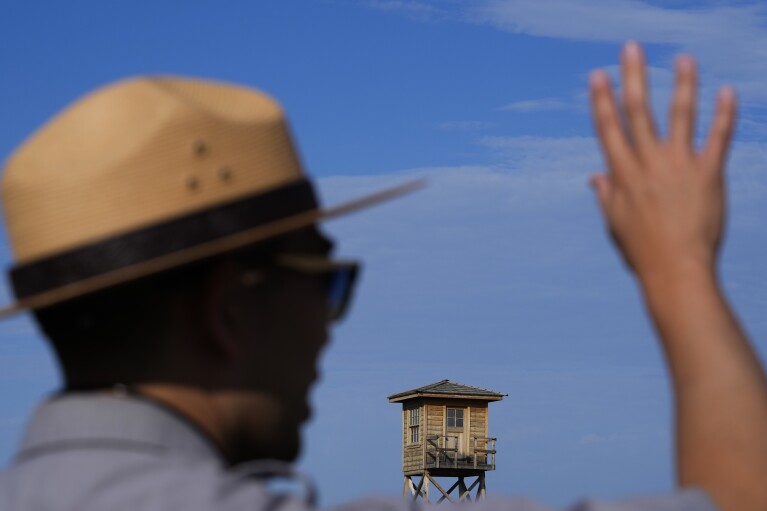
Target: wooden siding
{"points": [[436, 418], [433, 422], [478, 420], [412, 453]]}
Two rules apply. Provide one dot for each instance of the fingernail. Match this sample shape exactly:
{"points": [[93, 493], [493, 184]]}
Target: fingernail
{"points": [[632, 50], [598, 78], [726, 93], [684, 63]]}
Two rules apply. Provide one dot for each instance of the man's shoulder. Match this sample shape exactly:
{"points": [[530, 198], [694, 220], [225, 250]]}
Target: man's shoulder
{"points": [[91, 481], [102, 452]]}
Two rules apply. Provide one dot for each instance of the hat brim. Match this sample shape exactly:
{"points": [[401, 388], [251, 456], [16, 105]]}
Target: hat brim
{"points": [[203, 251]]}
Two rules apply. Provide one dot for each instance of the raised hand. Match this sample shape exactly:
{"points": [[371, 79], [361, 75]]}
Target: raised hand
{"points": [[664, 203], [663, 200]]}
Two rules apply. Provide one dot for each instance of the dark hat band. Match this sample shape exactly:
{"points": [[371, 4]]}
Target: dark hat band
{"points": [[161, 239]]}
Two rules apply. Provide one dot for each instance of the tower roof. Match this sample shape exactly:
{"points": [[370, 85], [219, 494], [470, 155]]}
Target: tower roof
{"points": [[446, 388]]}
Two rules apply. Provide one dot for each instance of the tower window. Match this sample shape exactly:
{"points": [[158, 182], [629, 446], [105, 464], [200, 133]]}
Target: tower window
{"points": [[415, 425], [455, 418]]}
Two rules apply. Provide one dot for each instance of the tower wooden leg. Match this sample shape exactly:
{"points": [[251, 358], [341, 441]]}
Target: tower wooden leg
{"points": [[423, 488], [462, 492], [417, 490]]}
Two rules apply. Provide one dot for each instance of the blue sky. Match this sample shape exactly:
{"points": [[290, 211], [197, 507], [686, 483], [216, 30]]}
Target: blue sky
{"points": [[499, 274]]}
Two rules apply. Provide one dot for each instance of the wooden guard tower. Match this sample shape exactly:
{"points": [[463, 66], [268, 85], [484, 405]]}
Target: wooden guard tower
{"points": [[445, 435]]}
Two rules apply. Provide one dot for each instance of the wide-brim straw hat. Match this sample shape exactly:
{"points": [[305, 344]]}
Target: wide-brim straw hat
{"points": [[150, 174]]}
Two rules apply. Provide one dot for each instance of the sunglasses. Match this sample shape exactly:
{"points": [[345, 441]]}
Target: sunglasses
{"points": [[338, 278]]}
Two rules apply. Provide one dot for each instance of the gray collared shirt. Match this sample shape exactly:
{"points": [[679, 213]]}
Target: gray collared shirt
{"points": [[93, 452]]}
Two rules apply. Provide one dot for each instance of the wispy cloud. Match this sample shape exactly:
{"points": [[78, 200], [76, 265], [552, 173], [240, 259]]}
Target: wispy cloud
{"points": [[465, 125], [536, 105], [419, 11], [615, 20], [577, 101], [574, 157], [731, 40]]}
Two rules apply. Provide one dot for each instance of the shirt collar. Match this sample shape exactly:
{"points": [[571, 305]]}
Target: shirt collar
{"points": [[83, 420]]}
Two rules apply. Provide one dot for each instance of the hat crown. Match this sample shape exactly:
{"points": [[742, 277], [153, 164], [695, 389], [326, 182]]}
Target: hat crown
{"points": [[139, 152]]}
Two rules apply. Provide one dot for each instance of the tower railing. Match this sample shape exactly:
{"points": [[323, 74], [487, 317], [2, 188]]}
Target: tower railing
{"points": [[438, 454]]}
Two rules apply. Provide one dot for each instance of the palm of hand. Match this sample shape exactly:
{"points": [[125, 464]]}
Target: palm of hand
{"points": [[662, 199]]}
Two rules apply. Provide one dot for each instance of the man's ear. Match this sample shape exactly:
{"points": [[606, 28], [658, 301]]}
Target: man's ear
{"points": [[221, 304]]}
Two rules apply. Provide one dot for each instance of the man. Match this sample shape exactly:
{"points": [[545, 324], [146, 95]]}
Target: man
{"points": [[166, 242]]}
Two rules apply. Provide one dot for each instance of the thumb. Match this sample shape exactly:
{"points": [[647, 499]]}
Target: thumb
{"points": [[602, 188]]}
